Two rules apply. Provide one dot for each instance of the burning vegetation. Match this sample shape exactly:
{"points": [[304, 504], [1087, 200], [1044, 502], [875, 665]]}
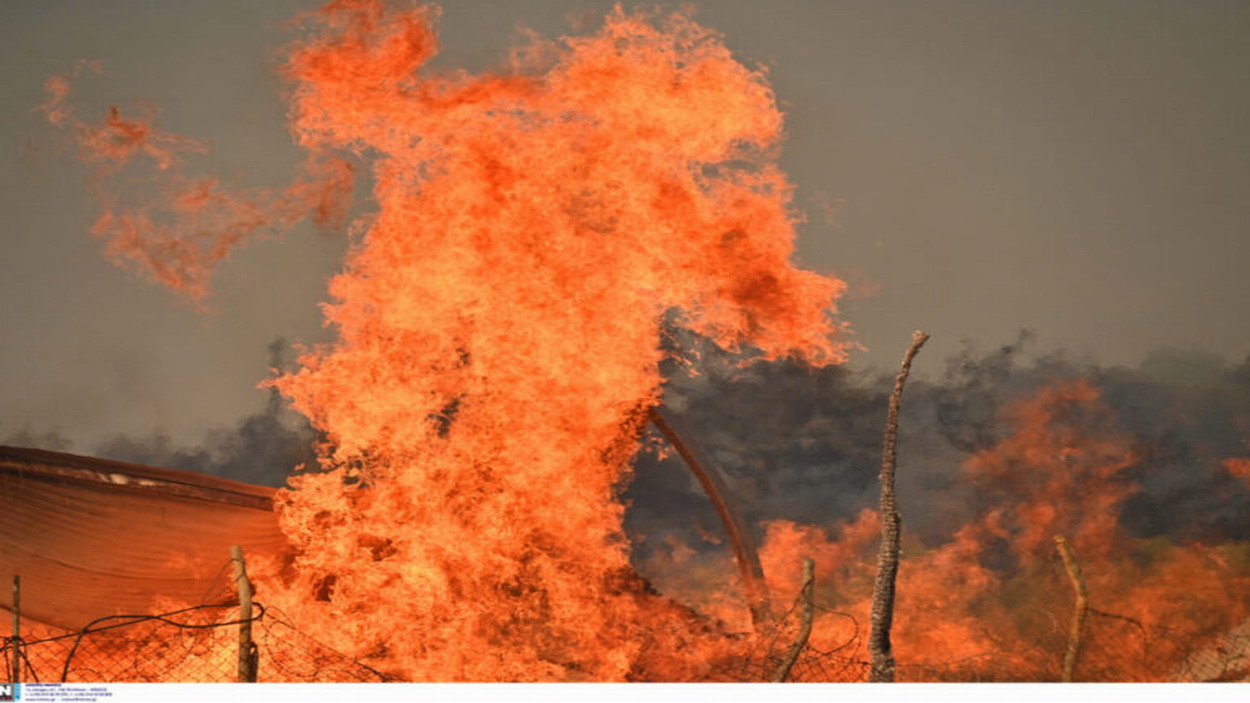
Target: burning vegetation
{"points": [[551, 249]]}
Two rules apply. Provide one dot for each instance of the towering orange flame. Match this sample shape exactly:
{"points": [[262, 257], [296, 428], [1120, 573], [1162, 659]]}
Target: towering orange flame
{"points": [[499, 333], [499, 343], [499, 322]]}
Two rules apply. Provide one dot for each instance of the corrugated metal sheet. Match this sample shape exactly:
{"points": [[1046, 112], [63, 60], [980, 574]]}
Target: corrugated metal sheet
{"points": [[91, 537]]}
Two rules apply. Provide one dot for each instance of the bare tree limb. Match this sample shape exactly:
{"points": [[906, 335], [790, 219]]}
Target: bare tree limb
{"points": [[887, 557], [1073, 650], [805, 622]]}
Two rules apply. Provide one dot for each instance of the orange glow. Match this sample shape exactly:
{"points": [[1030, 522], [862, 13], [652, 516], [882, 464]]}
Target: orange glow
{"points": [[1062, 471], [499, 334], [143, 651], [499, 324], [993, 603], [1239, 468]]}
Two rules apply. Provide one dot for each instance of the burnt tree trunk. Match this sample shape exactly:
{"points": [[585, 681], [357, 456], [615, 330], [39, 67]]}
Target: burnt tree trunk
{"points": [[879, 646]]}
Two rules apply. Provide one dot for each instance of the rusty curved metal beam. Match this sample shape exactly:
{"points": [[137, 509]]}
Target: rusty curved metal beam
{"points": [[712, 479]]}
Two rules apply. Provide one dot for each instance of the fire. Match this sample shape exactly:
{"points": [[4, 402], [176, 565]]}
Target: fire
{"points": [[993, 602], [500, 332], [1239, 468], [166, 224], [499, 328], [499, 323]]}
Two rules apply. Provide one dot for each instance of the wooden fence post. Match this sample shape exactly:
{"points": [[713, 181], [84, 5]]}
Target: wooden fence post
{"points": [[247, 649], [17, 630]]}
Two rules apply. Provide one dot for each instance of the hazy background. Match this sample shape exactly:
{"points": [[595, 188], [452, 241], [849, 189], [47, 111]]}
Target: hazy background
{"points": [[1076, 168]]}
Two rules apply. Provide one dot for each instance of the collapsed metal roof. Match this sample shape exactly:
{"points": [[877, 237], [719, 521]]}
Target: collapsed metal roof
{"points": [[92, 537]]}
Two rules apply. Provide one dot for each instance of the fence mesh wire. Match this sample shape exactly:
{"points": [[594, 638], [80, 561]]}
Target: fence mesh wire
{"points": [[201, 644], [1113, 648]]}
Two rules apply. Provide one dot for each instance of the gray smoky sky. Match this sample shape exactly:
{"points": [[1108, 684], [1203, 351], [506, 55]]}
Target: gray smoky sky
{"points": [[1078, 168]]}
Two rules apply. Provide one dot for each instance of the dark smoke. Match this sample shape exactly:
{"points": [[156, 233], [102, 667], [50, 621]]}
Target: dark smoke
{"points": [[805, 445], [27, 436], [262, 448]]}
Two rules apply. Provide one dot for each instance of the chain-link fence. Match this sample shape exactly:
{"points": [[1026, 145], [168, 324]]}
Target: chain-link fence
{"points": [[199, 644], [1113, 648], [766, 654]]}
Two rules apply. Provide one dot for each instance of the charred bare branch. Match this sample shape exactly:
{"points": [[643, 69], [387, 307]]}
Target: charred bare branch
{"points": [[887, 557], [1073, 649], [805, 622]]}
